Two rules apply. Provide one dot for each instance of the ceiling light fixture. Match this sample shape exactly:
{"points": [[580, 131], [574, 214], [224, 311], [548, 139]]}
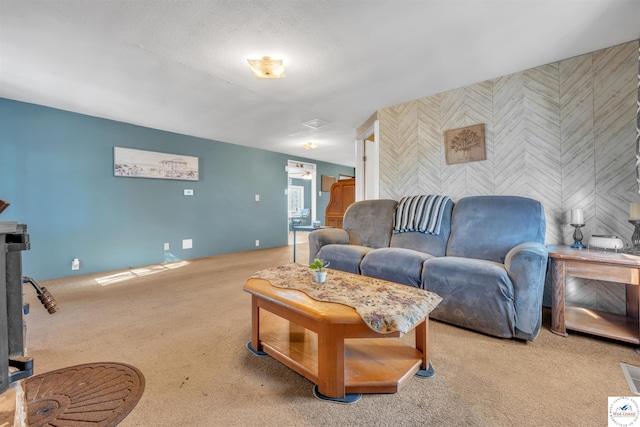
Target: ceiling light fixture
{"points": [[267, 68], [310, 145]]}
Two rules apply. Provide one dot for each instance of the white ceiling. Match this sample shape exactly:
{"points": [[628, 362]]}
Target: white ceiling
{"points": [[181, 65]]}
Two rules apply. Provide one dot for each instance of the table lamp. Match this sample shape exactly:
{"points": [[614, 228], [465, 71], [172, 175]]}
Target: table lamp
{"points": [[577, 221]]}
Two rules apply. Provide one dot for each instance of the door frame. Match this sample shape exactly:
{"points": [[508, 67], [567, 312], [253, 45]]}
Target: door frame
{"points": [[368, 173], [314, 171]]}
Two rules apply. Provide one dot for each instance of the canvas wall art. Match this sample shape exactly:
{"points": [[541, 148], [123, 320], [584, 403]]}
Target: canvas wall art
{"points": [[327, 182], [465, 144], [132, 163]]}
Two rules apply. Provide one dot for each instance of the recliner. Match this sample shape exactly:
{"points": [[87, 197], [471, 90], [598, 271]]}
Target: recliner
{"points": [[488, 262]]}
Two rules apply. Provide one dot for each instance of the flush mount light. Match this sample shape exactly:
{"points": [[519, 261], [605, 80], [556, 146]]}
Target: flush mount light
{"points": [[267, 68], [310, 145]]}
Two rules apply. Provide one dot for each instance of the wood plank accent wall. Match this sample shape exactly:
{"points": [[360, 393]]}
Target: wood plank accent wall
{"points": [[562, 133]]}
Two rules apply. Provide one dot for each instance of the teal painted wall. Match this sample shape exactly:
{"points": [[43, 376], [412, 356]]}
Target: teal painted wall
{"points": [[56, 170]]}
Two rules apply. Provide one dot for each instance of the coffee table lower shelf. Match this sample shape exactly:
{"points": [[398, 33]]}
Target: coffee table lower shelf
{"points": [[371, 365]]}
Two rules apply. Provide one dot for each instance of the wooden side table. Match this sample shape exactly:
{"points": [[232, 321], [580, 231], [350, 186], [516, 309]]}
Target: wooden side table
{"points": [[597, 265]]}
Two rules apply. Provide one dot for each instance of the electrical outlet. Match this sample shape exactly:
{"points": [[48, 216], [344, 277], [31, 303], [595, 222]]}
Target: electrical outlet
{"points": [[257, 242], [75, 264], [166, 246], [257, 197], [187, 243]]}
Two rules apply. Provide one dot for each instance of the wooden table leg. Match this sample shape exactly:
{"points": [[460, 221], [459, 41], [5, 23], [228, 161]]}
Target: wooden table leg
{"points": [[558, 280], [422, 341], [422, 344], [331, 361], [255, 346], [294, 243], [632, 305]]}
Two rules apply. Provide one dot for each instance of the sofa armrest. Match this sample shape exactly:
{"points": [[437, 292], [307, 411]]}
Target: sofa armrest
{"points": [[526, 265], [326, 236]]}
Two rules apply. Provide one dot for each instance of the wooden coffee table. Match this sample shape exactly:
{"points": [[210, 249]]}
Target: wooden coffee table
{"points": [[331, 346]]}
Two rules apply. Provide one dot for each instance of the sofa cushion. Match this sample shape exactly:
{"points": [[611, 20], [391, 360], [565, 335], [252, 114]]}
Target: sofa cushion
{"points": [[434, 244], [344, 257], [487, 227], [395, 265], [370, 222], [476, 294]]}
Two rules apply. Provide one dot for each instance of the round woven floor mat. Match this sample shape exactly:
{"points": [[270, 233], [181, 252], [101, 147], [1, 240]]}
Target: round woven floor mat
{"points": [[96, 394]]}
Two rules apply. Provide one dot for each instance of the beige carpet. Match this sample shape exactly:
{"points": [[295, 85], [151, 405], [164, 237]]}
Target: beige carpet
{"points": [[185, 326]]}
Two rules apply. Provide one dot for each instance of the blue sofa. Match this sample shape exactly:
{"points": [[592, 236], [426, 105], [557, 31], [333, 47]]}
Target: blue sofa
{"points": [[487, 259]]}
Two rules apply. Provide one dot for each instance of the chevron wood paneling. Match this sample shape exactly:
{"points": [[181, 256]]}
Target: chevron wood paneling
{"points": [[452, 116], [542, 144], [597, 295], [577, 141], [638, 127], [583, 293], [388, 123], [478, 105], [578, 162], [610, 297], [563, 133], [509, 143], [615, 86], [407, 149], [431, 146]]}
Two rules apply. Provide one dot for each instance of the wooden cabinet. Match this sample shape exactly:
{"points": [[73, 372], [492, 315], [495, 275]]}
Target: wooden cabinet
{"points": [[342, 195]]}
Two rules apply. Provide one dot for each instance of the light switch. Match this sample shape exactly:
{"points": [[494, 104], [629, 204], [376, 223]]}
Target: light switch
{"points": [[257, 197]]}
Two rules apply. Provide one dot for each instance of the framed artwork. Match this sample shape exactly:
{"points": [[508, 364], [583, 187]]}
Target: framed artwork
{"points": [[327, 181], [465, 144], [132, 163]]}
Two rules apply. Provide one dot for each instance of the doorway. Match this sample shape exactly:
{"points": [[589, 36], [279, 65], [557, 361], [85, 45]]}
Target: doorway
{"points": [[301, 197], [368, 163]]}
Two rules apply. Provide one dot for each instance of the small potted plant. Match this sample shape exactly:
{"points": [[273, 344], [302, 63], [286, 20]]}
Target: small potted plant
{"points": [[318, 266]]}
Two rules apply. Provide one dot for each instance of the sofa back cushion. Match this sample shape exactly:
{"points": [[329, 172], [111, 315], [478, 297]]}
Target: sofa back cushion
{"points": [[487, 227], [434, 244], [370, 223]]}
